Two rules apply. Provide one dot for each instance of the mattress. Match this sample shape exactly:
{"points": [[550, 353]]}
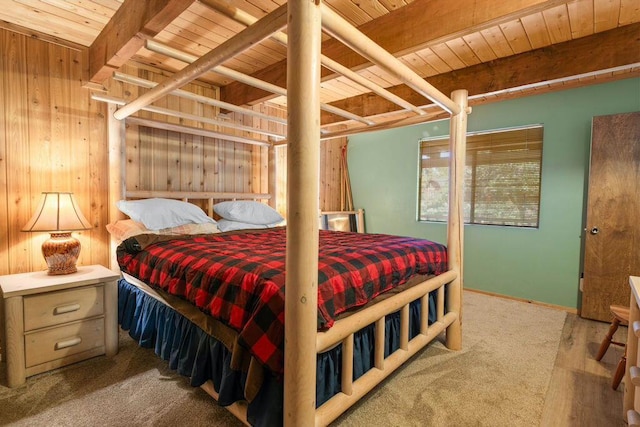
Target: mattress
{"points": [[239, 278]]}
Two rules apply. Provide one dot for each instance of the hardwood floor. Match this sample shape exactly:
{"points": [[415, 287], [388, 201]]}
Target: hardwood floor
{"points": [[580, 392]]}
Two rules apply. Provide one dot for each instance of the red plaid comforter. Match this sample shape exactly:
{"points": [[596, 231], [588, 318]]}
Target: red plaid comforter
{"points": [[238, 278]]}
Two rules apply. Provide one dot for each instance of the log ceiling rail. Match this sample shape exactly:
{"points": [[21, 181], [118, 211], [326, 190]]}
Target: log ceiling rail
{"points": [[401, 32], [364, 46], [435, 36], [613, 49], [247, 19], [266, 27], [163, 49], [271, 23], [194, 131], [255, 33], [418, 25], [195, 117], [138, 81], [404, 30]]}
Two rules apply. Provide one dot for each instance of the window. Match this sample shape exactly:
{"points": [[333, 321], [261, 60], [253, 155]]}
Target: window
{"points": [[502, 178]]}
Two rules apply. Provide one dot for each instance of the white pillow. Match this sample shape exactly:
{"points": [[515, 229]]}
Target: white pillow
{"points": [[249, 212], [157, 214], [228, 225]]}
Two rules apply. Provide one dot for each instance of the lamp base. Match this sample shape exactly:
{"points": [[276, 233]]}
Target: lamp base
{"points": [[61, 253]]}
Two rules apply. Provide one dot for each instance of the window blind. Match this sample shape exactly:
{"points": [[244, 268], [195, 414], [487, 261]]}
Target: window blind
{"points": [[502, 178]]}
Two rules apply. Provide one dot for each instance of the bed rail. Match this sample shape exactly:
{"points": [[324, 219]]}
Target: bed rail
{"points": [[341, 329], [343, 332]]}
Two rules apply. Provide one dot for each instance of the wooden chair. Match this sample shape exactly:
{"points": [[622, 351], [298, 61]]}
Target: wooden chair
{"points": [[620, 317]]}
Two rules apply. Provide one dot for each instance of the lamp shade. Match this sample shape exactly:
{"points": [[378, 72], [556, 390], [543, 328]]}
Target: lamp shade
{"points": [[57, 212]]}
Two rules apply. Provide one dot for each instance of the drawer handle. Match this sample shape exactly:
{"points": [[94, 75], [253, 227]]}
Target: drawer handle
{"points": [[66, 309], [68, 343]]}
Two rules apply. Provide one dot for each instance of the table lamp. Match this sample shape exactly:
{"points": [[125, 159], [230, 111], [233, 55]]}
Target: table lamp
{"points": [[58, 213]]}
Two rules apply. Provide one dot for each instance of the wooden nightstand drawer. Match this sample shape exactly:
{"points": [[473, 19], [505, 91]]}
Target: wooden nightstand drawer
{"points": [[63, 341], [55, 308]]}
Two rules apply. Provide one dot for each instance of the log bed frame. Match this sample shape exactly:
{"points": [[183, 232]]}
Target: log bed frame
{"points": [[306, 19]]}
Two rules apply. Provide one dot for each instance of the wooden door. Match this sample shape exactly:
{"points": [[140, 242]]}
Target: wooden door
{"points": [[612, 233]]}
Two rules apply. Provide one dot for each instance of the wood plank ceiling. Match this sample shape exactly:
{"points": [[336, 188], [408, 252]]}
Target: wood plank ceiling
{"points": [[495, 49]]}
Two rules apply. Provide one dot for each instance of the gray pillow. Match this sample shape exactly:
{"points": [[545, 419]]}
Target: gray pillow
{"points": [[157, 213], [249, 212]]}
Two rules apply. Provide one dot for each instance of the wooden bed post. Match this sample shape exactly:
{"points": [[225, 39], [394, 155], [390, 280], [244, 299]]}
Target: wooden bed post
{"points": [[272, 176], [117, 181], [303, 164], [455, 231]]}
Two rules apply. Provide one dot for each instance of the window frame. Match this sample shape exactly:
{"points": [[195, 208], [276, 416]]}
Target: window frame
{"points": [[446, 137]]}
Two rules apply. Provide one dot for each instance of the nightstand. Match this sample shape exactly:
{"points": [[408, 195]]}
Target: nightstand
{"points": [[53, 321]]}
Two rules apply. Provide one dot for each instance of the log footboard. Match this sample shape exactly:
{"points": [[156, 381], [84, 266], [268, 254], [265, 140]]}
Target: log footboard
{"points": [[343, 331]]}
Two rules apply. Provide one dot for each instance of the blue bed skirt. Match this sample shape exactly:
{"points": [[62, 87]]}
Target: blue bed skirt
{"points": [[195, 354]]}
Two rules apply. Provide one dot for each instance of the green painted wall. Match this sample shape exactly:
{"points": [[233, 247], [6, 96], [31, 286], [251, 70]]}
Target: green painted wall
{"points": [[538, 264]]}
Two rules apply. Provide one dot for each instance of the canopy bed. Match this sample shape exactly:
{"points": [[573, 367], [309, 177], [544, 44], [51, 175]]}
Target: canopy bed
{"points": [[397, 324]]}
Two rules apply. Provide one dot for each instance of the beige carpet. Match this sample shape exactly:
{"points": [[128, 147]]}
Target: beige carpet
{"points": [[499, 379]]}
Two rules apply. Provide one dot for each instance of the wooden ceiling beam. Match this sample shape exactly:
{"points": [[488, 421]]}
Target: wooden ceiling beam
{"points": [[420, 24], [270, 23], [602, 51], [126, 32]]}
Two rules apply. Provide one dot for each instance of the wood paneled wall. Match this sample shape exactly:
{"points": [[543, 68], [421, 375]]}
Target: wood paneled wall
{"points": [[330, 171], [52, 138], [165, 160]]}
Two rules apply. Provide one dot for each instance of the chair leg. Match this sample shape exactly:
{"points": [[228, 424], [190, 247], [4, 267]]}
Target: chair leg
{"points": [[606, 342], [622, 365]]}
